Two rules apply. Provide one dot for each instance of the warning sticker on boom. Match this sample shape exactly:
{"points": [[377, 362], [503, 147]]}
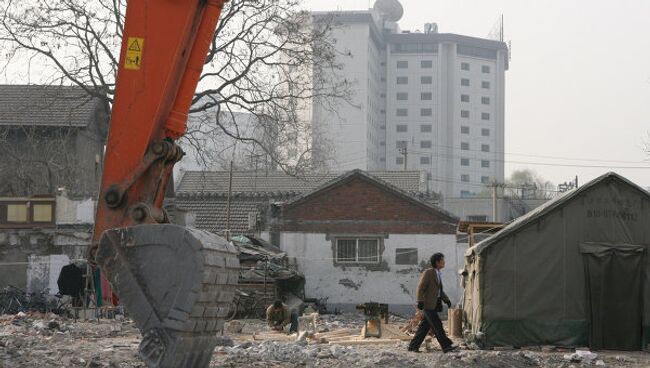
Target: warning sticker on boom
{"points": [[133, 58]]}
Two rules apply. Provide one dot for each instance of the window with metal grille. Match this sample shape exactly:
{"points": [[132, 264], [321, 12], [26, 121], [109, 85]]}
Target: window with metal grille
{"points": [[357, 250]]}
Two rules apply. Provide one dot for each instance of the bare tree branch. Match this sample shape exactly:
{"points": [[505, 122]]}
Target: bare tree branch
{"points": [[269, 60]]}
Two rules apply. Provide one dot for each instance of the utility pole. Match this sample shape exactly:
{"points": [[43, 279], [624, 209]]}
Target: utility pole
{"points": [[494, 186], [228, 206], [494, 202], [404, 151]]}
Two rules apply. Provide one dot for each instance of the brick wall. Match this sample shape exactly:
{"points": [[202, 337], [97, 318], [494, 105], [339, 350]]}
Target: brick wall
{"points": [[359, 205]]}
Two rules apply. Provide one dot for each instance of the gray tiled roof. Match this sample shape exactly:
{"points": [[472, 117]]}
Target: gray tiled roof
{"points": [[45, 106], [204, 193], [211, 212], [216, 182]]}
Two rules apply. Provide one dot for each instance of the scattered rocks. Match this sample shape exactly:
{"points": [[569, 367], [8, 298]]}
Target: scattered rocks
{"points": [[50, 341], [233, 327], [581, 356]]}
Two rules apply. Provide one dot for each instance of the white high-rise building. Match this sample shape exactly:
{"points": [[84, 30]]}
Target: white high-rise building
{"points": [[422, 100]]}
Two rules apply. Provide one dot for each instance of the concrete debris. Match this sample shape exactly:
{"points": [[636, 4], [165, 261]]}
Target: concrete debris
{"points": [[233, 327], [45, 340], [581, 356]]}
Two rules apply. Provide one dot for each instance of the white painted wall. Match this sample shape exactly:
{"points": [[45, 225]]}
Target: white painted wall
{"points": [[396, 286], [43, 272], [70, 211]]}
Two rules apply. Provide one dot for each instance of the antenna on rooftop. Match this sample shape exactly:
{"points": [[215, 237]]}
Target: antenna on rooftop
{"points": [[496, 33]]}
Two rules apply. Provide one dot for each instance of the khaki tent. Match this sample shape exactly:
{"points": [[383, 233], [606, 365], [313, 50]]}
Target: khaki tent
{"points": [[574, 272]]}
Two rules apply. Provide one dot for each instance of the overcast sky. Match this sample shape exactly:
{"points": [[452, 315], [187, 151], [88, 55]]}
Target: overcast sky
{"points": [[578, 86]]}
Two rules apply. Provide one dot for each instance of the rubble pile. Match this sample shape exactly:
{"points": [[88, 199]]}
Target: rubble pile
{"points": [[48, 340]]}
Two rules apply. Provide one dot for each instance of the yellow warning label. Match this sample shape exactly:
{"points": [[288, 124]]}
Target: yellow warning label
{"points": [[133, 58]]}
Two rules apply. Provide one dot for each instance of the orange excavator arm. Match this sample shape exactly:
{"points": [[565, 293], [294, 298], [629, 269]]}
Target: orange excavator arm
{"points": [[177, 283], [163, 51]]}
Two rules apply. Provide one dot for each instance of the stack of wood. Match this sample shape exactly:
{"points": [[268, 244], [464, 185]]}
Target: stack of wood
{"points": [[389, 334]]}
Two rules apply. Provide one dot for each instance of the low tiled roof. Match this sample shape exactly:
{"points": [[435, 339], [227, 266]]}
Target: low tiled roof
{"points": [[273, 183], [38, 105], [211, 213], [204, 193]]}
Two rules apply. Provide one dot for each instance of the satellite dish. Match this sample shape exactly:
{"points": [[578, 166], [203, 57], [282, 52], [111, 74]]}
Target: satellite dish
{"points": [[391, 10]]}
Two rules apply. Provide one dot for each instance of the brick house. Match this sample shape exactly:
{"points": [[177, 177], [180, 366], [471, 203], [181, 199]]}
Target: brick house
{"points": [[204, 195], [358, 238]]}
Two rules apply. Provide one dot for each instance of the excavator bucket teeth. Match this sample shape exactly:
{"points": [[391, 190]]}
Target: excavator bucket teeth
{"points": [[176, 283]]}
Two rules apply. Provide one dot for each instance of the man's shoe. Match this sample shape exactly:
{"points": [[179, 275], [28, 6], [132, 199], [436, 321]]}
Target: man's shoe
{"points": [[450, 349], [414, 350]]}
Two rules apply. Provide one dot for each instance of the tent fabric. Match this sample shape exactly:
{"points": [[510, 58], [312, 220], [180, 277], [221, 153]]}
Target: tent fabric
{"points": [[614, 311], [532, 282]]}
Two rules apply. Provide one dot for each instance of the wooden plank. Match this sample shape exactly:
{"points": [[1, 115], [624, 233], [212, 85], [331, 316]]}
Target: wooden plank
{"points": [[370, 341], [345, 337]]}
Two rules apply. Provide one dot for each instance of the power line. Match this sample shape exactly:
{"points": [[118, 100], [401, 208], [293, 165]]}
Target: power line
{"points": [[436, 154]]}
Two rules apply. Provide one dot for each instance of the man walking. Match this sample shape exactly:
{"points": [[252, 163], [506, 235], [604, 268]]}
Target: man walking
{"points": [[430, 295]]}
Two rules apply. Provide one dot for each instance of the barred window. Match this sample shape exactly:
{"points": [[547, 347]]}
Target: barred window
{"points": [[357, 250]]}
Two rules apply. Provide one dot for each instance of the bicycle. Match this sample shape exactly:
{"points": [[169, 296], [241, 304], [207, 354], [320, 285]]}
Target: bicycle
{"points": [[246, 305]]}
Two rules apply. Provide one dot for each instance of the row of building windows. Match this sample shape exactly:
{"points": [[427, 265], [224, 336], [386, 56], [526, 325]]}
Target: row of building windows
{"points": [[484, 99], [402, 112], [465, 114], [485, 69], [466, 179], [403, 128], [426, 128], [465, 162], [464, 146], [404, 96], [485, 132], [465, 82], [424, 64], [425, 79], [424, 160]]}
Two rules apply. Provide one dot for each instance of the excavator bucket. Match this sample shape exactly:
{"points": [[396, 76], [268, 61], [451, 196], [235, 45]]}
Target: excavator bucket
{"points": [[176, 283]]}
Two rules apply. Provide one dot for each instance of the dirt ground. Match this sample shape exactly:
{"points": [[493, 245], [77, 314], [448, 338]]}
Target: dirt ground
{"points": [[49, 341]]}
